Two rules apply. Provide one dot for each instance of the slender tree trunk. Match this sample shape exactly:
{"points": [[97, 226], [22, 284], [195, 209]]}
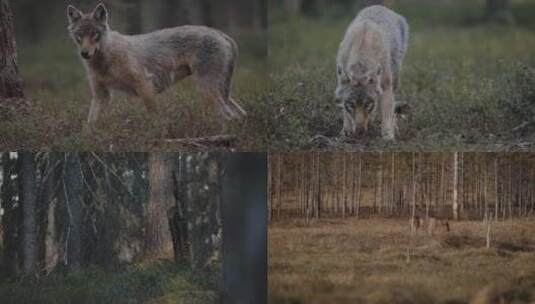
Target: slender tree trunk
{"points": [[72, 181], [279, 185], [344, 177], [455, 184], [496, 187], [10, 80], [29, 227], [10, 219], [359, 185]]}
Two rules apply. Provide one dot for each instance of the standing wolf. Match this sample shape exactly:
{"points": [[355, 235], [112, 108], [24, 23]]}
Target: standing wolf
{"points": [[144, 65], [368, 66]]}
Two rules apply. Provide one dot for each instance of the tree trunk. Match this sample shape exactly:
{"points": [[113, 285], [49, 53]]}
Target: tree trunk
{"points": [[10, 80], [179, 224], [158, 241], [72, 181], [29, 231], [10, 219], [203, 197], [244, 229], [455, 177]]}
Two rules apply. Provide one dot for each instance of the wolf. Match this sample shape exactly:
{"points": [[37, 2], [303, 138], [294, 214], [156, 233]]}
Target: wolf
{"points": [[432, 223], [368, 67], [145, 65]]}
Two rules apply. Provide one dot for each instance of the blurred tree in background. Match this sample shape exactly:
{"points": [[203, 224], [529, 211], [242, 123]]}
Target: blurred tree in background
{"points": [[41, 19]]}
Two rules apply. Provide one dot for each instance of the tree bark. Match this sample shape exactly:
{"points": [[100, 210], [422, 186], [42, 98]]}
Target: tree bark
{"points": [[244, 229], [29, 227], [10, 219], [455, 178], [158, 241], [72, 181], [10, 80]]}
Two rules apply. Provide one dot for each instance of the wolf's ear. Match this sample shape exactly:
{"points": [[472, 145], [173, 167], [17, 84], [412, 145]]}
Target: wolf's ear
{"points": [[100, 14], [73, 14]]}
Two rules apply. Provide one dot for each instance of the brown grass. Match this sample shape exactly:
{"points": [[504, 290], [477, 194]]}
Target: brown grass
{"points": [[364, 261]]}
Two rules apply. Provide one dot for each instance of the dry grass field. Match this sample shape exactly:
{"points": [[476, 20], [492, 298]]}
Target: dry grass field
{"points": [[365, 261]]}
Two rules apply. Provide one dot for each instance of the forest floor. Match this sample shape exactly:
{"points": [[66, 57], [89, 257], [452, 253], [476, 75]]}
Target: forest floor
{"points": [[155, 283], [365, 261], [468, 83]]}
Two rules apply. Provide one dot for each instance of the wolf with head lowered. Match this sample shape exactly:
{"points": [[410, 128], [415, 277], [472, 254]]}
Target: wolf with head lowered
{"points": [[368, 69], [145, 65]]}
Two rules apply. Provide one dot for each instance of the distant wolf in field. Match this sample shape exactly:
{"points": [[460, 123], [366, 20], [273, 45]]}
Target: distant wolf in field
{"points": [[432, 223], [145, 65], [368, 67]]}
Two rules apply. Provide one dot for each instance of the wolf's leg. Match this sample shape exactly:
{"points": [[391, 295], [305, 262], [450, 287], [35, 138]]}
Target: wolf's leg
{"points": [[101, 98], [213, 90], [146, 93], [387, 114]]}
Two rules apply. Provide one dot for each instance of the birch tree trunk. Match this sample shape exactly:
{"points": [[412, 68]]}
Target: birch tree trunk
{"points": [[455, 177]]}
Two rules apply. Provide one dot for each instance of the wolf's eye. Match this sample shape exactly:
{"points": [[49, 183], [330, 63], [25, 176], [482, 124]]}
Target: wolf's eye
{"points": [[96, 36], [78, 38]]}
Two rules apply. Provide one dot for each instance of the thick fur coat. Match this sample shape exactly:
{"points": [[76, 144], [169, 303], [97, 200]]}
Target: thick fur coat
{"points": [[368, 69], [147, 64]]}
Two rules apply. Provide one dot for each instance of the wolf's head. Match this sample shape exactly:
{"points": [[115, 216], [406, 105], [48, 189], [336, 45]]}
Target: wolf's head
{"points": [[358, 93], [88, 30]]}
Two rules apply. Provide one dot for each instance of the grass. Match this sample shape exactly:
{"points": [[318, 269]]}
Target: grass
{"points": [[459, 76], [364, 261], [58, 98], [160, 282]]}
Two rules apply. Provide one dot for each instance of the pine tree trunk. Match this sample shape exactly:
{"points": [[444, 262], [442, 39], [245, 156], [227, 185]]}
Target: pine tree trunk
{"points": [[29, 227], [72, 181], [158, 241], [10, 80]]}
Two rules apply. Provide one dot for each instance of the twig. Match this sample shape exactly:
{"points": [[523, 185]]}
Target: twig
{"points": [[216, 140]]}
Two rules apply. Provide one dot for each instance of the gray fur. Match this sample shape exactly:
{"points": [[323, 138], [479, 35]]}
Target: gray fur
{"points": [[147, 64], [368, 69]]}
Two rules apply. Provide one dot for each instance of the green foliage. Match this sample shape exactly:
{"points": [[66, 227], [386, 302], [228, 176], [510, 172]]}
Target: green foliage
{"points": [[454, 77], [518, 96], [160, 282]]}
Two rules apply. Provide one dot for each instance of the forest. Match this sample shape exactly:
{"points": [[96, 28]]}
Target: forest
{"points": [[401, 227], [131, 228], [466, 76]]}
